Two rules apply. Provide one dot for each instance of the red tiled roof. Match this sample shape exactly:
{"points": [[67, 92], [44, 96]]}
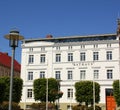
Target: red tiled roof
{"points": [[6, 61]]}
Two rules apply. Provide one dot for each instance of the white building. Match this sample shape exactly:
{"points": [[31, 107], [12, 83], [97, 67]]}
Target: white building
{"points": [[70, 59]]}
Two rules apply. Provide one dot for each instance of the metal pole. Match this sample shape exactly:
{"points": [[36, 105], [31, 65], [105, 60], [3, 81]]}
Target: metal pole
{"points": [[47, 88], [47, 94], [93, 94], [11, 78]]}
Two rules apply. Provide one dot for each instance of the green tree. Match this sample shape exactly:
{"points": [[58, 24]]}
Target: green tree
{"points": [[116, 91], [84, 92], [40, 89], [17, 88], [2, 90]]}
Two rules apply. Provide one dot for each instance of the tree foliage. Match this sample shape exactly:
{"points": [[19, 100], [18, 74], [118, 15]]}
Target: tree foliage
{"points": [[116, 91], [2, 90], [40, 89], [84, 92], [17, 88]]}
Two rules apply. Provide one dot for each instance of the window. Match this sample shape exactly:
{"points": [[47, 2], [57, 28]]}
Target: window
{"points": [[58, 48], [96, 74], [70, 93], [30, 49], [31, 59], [82, 74], [42, 58], [30, 75], [69, 107], [29, 93], [109, 55], [58, 57], [42, 48], [82, 56], [109, 74], [95, 46], [82, 46], [95, 56], [57, 75], [70, 56], [70, 75], [69, 47], [42, 74], [108, 45]]}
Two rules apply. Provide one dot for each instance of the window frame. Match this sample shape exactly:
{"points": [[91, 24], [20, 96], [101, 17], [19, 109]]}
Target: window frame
{"points": [[70, 57], [31, 59], [30, 75]]}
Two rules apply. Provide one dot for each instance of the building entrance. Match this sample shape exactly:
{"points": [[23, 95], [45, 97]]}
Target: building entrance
{"points": [[110, 101]]}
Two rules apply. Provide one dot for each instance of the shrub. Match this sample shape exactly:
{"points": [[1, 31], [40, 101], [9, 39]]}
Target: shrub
{"points": [[42, 106], [5, 106], [79, 107], [96, 108]]}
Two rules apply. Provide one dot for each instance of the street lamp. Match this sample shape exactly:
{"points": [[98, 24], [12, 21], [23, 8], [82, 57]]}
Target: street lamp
{"points": [[13, 38], [58, 105]]}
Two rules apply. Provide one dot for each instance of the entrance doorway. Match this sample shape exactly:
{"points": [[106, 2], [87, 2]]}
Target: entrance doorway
{"points": [[110, 100]]}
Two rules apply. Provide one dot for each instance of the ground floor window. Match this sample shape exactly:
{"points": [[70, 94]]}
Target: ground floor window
{"points": [[29, 93], [69, 107]]}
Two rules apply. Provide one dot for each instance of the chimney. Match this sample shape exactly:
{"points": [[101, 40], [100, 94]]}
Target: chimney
{"points": [[6, 53], [118, 28], [49, 36]]}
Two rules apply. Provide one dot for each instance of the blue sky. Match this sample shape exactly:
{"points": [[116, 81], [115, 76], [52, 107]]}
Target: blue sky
{"points": [[37, 18]]}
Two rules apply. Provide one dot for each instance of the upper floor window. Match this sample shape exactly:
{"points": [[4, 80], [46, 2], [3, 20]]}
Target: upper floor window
{"points": [[42, 74], [70, 93], [57, 48], [96, 74], [31, 59], [30, 49], [109, 55], [70, 75], [82, 74], [96, 46], [95, 56], [82, 46], [69, 47], [82, 56], [30, 75], [57, 75], [109, 74], [58, 57], [29, 93], [108, 45], [42, 48], [42, 58], [70, 56]]}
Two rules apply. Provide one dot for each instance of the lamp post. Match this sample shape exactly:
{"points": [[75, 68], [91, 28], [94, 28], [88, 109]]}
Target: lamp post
{"points": [[13, 38], [59, 81]]}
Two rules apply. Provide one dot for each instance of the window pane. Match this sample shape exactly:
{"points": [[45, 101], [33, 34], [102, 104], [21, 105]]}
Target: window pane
{"points": [[70, 93], [109, 55], [70, 56], [70, 75], [31, 59], [82, 56], [30, 75], [109, 74], [57, 75], [82, 74], [42, 74], [96, 74], [58, 57], [42, 58], [29, 93], [95, 56]]}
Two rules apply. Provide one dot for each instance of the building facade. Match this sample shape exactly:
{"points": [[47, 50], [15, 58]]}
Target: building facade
{"points": [[5, 66], [70, 59]]}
